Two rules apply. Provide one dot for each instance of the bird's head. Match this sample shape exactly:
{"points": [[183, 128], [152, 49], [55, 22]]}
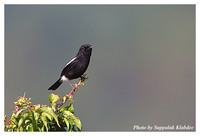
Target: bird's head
{"points": [[85, 50]]}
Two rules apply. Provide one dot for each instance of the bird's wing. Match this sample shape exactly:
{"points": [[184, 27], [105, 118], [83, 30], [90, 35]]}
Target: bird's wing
{"points": [[69, 66]]}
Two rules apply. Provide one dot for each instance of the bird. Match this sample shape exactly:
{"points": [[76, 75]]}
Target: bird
{"points": [[76, 67]]}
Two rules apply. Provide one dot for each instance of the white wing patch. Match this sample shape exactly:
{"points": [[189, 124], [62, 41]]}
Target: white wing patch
{"points": [[64, 78], [70, 61]]}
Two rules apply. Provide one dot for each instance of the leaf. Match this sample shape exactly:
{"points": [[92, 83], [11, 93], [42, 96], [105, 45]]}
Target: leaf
{"points": [[37, 106], [71, 123], [50, 112], [47, 115], [67, 123], [53, 98], [26, 116], [68, 113], [71, 108], [40, 127], [19, 112], [63, 109], [78, 123], [20, 121], [44, 121], [68, 107], [27, 121], [29, 113], [34, 120], [36, 116], [76, 120], [30, 129], [54, 106]]}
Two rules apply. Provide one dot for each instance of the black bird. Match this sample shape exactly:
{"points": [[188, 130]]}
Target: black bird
{"points": [[76, 67]]}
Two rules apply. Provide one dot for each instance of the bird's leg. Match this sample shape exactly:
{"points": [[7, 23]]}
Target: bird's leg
{"points": [[70, 84], [83, 77]]}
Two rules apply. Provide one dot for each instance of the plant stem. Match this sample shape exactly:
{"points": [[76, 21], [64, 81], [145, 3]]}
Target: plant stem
{"points": [[7, 121], [76, 86]]}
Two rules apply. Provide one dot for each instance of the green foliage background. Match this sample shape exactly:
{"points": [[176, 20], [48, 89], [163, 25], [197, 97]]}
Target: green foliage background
{"points": [[55, 117]]}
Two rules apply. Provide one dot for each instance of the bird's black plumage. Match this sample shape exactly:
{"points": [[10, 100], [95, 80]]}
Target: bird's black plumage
{"points": [[76, 67]]}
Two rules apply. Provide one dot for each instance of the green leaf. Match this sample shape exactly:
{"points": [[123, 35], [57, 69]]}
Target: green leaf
{"points": [[19, 112], [27, 121], [68, 113], [53, 98], [20, 129], [29, 113], [40, 127], [67, 123], [68, 107], [71, 125], [71, 108], [54, 106], [30, 129], [47, 115], [36, 116], [63, 109], [78, 123], [26, 116], [37, 106], [43, 118], [34, 120], [44, 122], [50, 112], [20, 121], [76, 120]]}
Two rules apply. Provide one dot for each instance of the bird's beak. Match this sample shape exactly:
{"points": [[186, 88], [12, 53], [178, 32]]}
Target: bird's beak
{"points": [[91, 46]]}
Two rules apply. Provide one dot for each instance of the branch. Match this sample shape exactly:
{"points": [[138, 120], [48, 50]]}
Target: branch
{"points": [[76, 87], [7, 121], [71, 92]]}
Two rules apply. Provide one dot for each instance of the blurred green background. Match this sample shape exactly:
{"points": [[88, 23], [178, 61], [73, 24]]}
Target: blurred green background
{"points": [[142, 69]]}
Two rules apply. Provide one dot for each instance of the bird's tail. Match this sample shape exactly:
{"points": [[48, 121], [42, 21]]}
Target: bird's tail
{"points": [[56, 84]]}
